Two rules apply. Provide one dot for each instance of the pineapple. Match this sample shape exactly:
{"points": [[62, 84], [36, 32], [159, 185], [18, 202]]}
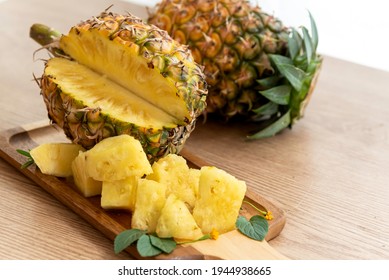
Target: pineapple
{"points": [[150, 199], [117, 158], [55, 158], [173, 171], [120, 194], [177, 221], [219, 202], [115, 74], [84, 183], [257, 69]]}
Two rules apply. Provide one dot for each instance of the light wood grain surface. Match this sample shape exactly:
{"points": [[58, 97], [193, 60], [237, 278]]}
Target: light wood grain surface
{"points": [[329, 173]]}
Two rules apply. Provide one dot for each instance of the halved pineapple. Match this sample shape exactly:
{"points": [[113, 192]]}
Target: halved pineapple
{"points": [[177, 221], [120, 194], [84, 183], [55, 158], [173, 171], [115, 74], [117, 158], [150, 198], [220, 199]]}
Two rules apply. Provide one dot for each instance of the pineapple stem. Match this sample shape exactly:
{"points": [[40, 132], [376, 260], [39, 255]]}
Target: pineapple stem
{"points": [[47, 37], [255, 207], [43, 34]]}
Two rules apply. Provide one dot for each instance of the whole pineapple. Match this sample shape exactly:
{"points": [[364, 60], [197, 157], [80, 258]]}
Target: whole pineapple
{"points": [[115, 74], [257, 68]]}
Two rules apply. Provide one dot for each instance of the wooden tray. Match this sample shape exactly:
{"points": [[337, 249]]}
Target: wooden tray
{"points": [[231, 245]]}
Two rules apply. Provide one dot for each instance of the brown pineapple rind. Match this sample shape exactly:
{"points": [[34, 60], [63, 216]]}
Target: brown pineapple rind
{"points": [[232, 40]]}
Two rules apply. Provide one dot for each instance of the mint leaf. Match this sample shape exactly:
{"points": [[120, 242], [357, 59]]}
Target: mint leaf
{"points": [[146, 248], [166, 245], [256, 228], [126, 238]]}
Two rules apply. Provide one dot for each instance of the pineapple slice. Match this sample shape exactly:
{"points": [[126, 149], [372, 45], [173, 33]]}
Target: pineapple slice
{"points": [[177, 221], [220, 198], [119, 194], [150, 199], [173, 171], [117, 158], [84, 183], [55, 158]]}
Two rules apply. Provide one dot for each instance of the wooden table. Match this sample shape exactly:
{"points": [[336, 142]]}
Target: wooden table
{"points": [[329, 173]]}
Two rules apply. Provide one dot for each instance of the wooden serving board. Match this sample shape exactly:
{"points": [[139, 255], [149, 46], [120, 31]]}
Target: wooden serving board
{"points": [[231, 245]]}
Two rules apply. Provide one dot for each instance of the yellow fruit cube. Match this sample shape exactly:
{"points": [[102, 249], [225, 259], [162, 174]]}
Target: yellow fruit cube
{"points": [[84, 183], [117, 158], [177, 221], [55, 158], [150, 198], [220, 199], [120, 194], [173, 171]]}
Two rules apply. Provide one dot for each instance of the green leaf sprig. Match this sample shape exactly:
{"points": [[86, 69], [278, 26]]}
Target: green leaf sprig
{"points": [[148, 245], [257, 227], [29, 161]]}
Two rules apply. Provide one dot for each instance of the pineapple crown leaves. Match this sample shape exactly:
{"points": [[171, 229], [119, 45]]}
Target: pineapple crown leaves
{"points": [[288, 90]]}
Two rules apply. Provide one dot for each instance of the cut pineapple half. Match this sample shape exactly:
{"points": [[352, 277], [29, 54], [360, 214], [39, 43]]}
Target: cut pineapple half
{"points": [[95, 90], [119, 75]]}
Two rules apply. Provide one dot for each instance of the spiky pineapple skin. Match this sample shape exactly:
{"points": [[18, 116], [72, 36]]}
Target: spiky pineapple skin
{"points": [[87, 126], [232, 39]]}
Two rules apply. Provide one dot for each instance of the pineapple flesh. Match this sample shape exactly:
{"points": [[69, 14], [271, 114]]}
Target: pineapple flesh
{"points": [[167, 198], [84, 183], [219, 201], [117, 158], [120, 194], [174, 172], [55, 158], [115, 74], [150, 199], [177, 221]]}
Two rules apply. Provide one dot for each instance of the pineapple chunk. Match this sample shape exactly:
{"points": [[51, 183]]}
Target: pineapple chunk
{"points": [[220, 199], [117, 158], [55, 158], [84, 183], [177, 221], [193, 181], [119, 194], [150, 198], [173, 171]]}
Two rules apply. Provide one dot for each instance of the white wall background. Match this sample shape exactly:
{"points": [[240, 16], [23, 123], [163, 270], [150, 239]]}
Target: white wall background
{"points": [[357, 30]]}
